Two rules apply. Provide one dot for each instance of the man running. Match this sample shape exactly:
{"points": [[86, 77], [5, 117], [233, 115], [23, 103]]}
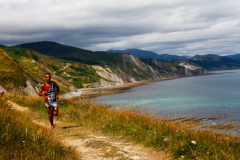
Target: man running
{"points": [[48, 91]]}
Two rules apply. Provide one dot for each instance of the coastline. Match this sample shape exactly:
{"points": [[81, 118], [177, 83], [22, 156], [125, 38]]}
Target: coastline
{"points": [[116, 89]]}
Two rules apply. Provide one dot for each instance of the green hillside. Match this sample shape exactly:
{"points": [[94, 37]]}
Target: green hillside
{"points": [[213, 61], [10, 73], [24, 64], [71, 53]]}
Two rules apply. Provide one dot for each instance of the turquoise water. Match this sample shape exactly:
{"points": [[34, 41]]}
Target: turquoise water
{"points": [[216, 95]]}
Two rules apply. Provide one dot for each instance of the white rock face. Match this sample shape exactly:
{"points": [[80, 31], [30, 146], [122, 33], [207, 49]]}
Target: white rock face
{"points": [[131, 59], [135, 60], [189, 66], [29, 89], [109, 75]]}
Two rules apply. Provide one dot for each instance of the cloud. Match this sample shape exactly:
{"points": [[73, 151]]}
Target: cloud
{"points": [[174, 27]]}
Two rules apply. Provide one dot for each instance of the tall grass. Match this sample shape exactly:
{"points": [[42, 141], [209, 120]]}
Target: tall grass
{"points": [[172, 136], [20, 138]]}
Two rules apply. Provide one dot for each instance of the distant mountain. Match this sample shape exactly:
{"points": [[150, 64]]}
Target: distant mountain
{"points": [[148, 54], [172, 57], [70, 53], [205, 56], [234, 56]]}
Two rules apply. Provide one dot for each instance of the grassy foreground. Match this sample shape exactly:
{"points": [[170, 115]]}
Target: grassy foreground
{"points": [[20, 138], [173, 137]]}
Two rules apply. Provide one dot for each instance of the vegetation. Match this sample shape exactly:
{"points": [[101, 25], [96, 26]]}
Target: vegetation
{"points": [[80, 74], [32, 65], [34, 56], [140, 72], [9, 71], [53, 67], [213, 61], [20, 138], [72, 66], [23, 61], [71, 53], [172, 136]]}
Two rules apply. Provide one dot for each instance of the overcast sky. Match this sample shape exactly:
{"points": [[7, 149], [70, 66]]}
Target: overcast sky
{"points": [[180, 27]]}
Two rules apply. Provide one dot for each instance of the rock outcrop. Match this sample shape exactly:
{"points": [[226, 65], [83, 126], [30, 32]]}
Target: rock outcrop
{"points": [[189, 66], [110, 78]]}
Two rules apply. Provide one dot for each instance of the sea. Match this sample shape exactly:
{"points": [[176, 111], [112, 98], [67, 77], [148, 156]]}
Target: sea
{"points": [[215, 97]]}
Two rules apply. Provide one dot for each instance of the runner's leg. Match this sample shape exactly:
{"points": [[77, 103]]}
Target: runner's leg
{"points": [[50, 113], [55, 111]]}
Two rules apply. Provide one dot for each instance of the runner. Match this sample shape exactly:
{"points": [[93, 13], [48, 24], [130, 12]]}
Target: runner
{"points": [[48, 91]]}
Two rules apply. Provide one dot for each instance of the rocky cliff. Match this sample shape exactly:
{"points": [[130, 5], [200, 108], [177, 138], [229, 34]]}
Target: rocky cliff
{"points": [[19, 69], [26, 68], [135, 69]]}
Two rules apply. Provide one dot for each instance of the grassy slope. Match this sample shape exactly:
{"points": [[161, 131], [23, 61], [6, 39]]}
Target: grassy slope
{"points": [[80, 74], [20, 138], [9, 72], [32, 63], [137, 126], [25, 60]]}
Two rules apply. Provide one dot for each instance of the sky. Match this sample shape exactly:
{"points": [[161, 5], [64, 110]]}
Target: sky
{"points": [[177, 27]]}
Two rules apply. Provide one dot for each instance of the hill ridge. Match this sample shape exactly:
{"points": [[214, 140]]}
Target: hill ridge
{"points": [[101, 69]]}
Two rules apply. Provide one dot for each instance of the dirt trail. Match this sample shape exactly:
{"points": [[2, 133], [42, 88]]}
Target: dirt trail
{"points": [[92, 145], [65, 67]]}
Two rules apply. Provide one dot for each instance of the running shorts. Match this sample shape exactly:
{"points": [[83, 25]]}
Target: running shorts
{"points": [[51, 104]]}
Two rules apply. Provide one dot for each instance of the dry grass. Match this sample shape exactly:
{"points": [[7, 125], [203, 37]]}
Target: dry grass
{"points": [[175, 136], [20, 138]]}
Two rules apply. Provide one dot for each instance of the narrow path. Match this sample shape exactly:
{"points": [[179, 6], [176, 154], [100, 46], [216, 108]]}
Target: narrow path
{"points": [[93, 145], [65, 67]]}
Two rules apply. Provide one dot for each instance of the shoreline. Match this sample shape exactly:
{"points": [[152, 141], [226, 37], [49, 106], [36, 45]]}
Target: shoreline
{"points": [[121, 88], [116, 89]]}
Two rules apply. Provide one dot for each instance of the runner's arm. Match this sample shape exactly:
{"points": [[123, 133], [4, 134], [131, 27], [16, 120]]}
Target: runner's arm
{"points": [[55, 84], [41, 93]]}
